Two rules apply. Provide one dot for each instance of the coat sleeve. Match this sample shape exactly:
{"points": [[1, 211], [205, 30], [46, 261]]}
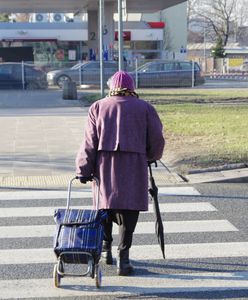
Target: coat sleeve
{"points": [[155, 140], [86, 156]]}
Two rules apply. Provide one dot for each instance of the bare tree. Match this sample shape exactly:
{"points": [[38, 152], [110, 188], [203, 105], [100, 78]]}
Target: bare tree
{"points": [[218, 17], [191, 4], [242, 13]]}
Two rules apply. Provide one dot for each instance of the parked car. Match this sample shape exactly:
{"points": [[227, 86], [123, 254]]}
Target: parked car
{"points": [[87, 73], [168, 74], [244, 66], [15, 75]]}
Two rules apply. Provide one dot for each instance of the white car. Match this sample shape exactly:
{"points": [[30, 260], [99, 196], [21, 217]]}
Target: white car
{"points": [[244, 67], [82, 73]]}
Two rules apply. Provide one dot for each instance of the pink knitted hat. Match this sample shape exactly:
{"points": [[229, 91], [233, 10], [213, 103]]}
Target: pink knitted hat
{"points": [[121, 79]]}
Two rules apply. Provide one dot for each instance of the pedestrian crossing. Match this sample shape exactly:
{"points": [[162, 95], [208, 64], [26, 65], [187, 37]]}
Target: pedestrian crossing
{"points": [[48, 211], [86, 192], [28, 264], [142, 227]]}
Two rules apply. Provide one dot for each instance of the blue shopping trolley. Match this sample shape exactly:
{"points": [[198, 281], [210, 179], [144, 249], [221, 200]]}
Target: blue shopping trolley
{"points": [[78, 238]]}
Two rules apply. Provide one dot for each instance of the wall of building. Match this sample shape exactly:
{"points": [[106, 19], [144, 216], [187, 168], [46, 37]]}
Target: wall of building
{"points": [[171, 39], [175, 35], [59, 31]]}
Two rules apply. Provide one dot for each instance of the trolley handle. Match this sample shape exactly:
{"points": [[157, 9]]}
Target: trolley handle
{"points": [[90, 178], [84, 179]]}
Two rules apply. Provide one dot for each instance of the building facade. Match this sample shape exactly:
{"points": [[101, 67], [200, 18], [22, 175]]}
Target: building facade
{"points": [[57, 37]]}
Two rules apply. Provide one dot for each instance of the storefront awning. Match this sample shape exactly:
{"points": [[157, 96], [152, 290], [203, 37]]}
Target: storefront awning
{"points": [[18, 39], [29, 6]]}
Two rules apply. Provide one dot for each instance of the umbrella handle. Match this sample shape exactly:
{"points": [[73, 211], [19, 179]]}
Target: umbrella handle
{"points": [[152, 162], [150, 166]]}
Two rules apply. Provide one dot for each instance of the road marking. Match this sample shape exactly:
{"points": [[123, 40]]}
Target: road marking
{"points": [[116, 285], [86, 193], [143, 252], [42, 195], [8, 212], [37, 231], [178, 191]]}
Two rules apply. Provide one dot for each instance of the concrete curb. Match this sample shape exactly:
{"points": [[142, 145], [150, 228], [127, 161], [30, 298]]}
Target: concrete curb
{"points": [[161, 177], [219, 168], [232, 176]]}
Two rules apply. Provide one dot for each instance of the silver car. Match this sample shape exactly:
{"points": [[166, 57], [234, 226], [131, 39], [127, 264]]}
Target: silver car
{"points": [[244, 66], [87, 73], [173, 73]]}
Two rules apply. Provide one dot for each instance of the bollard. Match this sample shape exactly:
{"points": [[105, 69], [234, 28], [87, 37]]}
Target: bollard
{"points": [[69, 90]]}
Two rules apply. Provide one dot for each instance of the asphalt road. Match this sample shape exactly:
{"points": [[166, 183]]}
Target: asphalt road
{"points": [[206, 236], [52, 98], [224, 84], [206, 248]]}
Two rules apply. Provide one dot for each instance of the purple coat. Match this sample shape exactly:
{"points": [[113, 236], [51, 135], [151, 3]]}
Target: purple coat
{"points": [[122, 134]]}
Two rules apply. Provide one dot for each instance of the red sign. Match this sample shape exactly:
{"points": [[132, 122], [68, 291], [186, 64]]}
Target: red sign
{"points": [[156, 24], [126, 35]]}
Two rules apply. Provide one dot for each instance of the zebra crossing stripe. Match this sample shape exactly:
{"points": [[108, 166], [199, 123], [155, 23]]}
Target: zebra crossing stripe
{"points": [[86, 193], [42, 195], [8, 212], [122, 286], [138, 252], [141, 228], [178, 191]]}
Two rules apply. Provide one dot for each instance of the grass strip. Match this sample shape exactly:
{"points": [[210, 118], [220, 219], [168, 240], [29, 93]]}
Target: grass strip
{"points": [[198, 135], [205, 135]]}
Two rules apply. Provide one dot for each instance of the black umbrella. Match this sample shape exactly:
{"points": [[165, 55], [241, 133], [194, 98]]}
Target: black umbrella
{"points": [[159, 228]]}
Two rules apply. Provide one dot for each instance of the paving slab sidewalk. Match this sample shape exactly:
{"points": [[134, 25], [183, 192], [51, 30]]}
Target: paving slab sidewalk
{"points": [[41, 142]]}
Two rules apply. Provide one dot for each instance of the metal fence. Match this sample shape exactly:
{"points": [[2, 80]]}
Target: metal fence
{"points": [[146, 73], [222, 66]]}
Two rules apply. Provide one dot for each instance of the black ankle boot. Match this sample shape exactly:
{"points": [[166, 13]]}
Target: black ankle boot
{"points": [[124, 267], [106, 255]]}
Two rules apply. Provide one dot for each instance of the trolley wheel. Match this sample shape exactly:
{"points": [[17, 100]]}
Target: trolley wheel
{"points": [[98, 276], [56, 277], [92, 274], [61, 268]]}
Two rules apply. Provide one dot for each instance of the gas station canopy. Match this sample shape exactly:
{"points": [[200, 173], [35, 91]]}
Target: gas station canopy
{"points": [[78, 6]]}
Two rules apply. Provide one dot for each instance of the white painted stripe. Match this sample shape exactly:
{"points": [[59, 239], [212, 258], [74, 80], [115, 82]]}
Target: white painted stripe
{"points": [[199, 226], [41, 195], [120, 286], [141, 228], [85, 193], [178, 191], [144, 252], [7, 212]]}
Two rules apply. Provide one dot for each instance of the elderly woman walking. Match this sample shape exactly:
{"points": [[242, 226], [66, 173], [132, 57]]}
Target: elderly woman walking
{"points": [[123, 133]]}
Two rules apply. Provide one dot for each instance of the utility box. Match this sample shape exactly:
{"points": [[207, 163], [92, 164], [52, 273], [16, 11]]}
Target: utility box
{"points": [[69, 90]]}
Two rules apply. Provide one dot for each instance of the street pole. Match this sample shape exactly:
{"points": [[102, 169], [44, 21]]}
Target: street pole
{"points": [[205, 61], [193, 74], [120, 35], [101, 18]]}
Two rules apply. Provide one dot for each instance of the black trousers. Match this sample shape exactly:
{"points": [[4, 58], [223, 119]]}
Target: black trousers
{"points": [[127, 220]]}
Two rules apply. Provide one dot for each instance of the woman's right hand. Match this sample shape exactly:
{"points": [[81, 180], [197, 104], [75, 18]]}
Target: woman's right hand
{"points": [[84, 179]]}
